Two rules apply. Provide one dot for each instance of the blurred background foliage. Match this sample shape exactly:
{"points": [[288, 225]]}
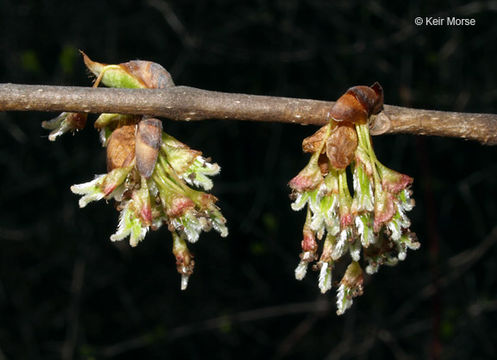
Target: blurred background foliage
{"points": [[67, 292]]}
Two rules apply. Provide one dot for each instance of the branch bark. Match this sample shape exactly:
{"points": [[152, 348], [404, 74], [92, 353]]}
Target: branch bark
{"points": [[187, 103]]}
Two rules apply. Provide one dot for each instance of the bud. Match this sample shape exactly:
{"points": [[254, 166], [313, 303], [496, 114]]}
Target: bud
{"points": [[147, 144], [121, 147], [314, 142], [341, 146], [358, 104], [384, 209], [393, 181], [132, 74], [308, 179], [115, 120], [184, 260]]}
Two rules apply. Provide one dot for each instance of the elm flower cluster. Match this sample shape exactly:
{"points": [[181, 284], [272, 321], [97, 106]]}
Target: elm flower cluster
{"points": [[153, 178], [369, 223], [165, 198]]}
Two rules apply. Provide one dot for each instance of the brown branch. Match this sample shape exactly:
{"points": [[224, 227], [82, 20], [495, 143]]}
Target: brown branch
{"points": [[187, 103]]}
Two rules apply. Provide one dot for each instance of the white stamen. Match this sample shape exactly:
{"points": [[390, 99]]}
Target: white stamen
{"points": [[317, 222], [184, 281], [129, 225], [85, 200], [404, 220], [408, 203], [372, 268], [301, 270], [220, 227], [325, 277], [340, 246], [300, 201], [91, 190], [344, 300], [355, 250], [365, 232], [199, 170], [394, 227]]}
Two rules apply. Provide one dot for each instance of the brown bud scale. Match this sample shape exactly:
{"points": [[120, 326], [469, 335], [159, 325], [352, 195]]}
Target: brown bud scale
{"points": [[151, 74], [148, 141], [341, 146], [358, 104], [121, 147], [311, 143]]}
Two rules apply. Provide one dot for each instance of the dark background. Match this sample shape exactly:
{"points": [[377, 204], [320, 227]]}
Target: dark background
{"points": [[67, 292]]}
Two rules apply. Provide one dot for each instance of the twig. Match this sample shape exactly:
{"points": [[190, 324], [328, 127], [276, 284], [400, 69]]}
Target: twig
{"points": [[458, 266], [187, 103], [312, 307]]}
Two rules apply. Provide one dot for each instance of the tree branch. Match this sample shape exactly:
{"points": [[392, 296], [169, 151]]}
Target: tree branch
{"points": [[187, 103]]}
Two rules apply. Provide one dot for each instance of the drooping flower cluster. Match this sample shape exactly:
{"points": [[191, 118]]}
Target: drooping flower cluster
{"points": [[372, 219], [164, 198], [154, 179]]}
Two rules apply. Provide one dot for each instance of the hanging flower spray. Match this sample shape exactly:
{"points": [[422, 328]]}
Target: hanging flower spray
{"points": [[154, 179], [157, 180], [370, 223]]}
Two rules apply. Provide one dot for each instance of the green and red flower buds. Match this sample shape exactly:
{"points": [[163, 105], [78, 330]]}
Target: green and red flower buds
{"points": [[370, 222], [153, 178]]}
